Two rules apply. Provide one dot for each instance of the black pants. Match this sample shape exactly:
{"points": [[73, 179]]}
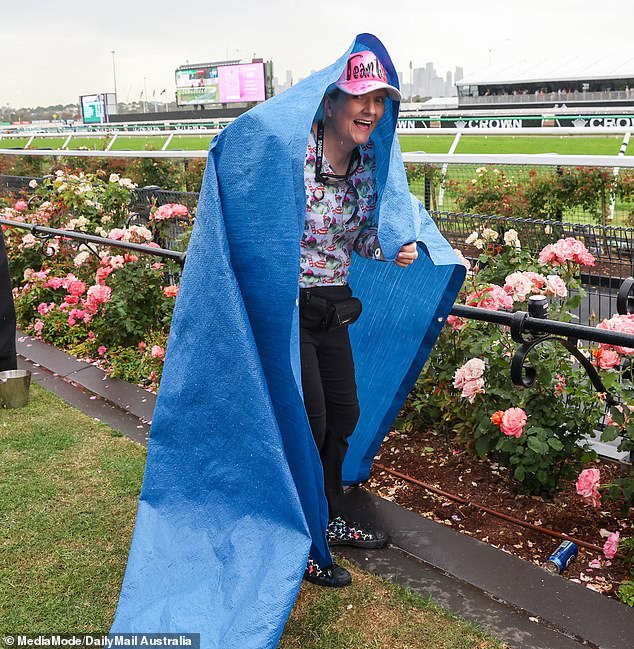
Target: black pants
{"points": [[7, 313], [330, 396]]}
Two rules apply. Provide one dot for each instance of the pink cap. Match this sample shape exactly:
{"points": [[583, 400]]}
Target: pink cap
{"points": [[364, 73]]}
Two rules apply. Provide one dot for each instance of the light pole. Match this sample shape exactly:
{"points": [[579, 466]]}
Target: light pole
{"points": [[411, 83], [114, 77], [144, 94]]}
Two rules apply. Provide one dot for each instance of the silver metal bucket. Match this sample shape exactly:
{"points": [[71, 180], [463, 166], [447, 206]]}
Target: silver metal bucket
{"points": [[14, 388]]}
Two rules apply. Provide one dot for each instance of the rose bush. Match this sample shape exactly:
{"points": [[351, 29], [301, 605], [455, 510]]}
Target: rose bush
{"points": [[466, 391], [103, 303]]}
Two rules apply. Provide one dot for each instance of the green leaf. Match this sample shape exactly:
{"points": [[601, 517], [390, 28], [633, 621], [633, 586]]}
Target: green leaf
{"points": [[519, 473], [610, 433], [617, 415], [537, 445], [482, 446], [555, 443]]}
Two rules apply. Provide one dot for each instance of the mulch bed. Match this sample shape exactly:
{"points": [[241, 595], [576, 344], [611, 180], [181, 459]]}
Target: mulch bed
{"points": [[435, 460]]}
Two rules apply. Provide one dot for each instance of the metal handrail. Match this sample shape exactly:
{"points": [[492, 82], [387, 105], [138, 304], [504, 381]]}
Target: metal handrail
{"points": [[46, 234]]}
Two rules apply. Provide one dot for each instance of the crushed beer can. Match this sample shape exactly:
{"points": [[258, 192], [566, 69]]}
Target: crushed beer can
{"points": [[562, 557]]}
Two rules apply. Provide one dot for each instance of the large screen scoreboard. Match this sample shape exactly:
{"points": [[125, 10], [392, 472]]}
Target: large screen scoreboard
{"points": [[220, 83], [96, 108]]}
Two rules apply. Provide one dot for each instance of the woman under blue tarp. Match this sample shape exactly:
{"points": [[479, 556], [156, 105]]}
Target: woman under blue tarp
{"points": [[233, 498], [340, 185]]}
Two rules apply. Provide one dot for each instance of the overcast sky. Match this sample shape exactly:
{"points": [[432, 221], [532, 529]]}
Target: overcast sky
{"points": [[53, 51]]}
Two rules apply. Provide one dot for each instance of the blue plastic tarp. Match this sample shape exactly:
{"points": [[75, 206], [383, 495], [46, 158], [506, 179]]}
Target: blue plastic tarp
{"points": [[232, 499]]}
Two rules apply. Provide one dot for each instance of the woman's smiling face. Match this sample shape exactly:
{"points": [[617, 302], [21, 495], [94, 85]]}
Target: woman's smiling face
{"points": [[352, 118]]}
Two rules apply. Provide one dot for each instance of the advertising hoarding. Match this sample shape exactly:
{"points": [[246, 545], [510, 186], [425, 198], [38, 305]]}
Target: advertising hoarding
{"points": [[205, 84]]}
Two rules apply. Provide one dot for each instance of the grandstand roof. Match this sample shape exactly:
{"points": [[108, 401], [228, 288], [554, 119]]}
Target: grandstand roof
{"points": [[573, 69]]}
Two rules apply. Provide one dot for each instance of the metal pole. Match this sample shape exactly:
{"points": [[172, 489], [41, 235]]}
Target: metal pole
{"points": [[144, 95], [114, 77]]}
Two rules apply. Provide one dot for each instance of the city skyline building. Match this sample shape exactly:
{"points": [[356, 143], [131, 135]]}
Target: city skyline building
{"points": [[427, 82], [421, 82]]}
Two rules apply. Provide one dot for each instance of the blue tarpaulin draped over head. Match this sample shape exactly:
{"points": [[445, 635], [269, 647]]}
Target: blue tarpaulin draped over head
{"points": [[232, 500]]}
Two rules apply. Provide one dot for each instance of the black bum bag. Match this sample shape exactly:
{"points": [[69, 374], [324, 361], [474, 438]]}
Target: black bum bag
{"points": [[317, 312]]}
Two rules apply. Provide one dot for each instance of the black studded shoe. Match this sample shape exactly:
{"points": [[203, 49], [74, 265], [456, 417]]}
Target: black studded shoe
{"points": [[332, 576], [340, 532]]}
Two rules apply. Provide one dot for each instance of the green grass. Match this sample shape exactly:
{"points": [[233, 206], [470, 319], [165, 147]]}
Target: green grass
{"points": [[68, 493], [69, 487], [562, 144], [426, 143], [525, 144], [138, 143], [190, 142], [48, 142], [13, 142]]}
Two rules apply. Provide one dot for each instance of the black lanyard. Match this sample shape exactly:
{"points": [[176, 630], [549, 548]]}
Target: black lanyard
{"points": [[353, 165]]}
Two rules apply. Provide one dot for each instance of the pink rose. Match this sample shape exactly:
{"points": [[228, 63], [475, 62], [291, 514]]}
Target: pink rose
{"points": [[54, 283], [513, 422], [456, 323], [119, 234], [606, 358], [102, 273], [97, 294], [472, 388], [472, 369], [588, 486], [29, 241], [139, 234], [560, 387], [170, 291], [117, 262], [518, 286], [161, 213], [42, 308], [623, 323], [611, 545], [101, 350], [537, 280], [76, 287], [38, 326], [564, 250], [556, 286], [179, 210], [548, 256], [158, 351], [493, 298], [20, 205]]}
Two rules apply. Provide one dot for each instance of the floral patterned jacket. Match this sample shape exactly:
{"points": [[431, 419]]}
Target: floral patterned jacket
{"points": [[340, 218]]}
